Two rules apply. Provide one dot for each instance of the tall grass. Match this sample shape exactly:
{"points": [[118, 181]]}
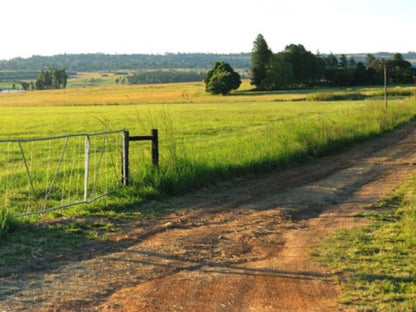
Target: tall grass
{"points": [[358, 94], [270, 145]]}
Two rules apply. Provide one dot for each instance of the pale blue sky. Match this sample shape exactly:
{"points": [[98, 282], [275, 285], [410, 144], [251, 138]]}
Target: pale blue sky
{"points": [[47, 27]]}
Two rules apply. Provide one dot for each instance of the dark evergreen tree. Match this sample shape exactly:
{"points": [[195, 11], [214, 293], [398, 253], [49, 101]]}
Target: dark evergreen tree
{"points": [[260, 62], [370, 59], [331, 66], [360, 74], [343, 62]]}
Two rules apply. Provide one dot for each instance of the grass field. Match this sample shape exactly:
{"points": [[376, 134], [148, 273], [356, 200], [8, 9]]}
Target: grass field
{"points": [[206, 138], [181, 93]]}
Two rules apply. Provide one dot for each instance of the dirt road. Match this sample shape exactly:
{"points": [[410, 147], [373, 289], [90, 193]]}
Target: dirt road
{"points": [[239, 246]]}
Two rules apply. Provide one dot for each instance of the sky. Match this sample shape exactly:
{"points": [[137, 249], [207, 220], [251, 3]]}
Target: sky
{"points": [[50, 27]]}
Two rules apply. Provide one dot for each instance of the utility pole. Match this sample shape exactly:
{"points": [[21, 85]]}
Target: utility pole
{"points": [[414, 78], [385, 84]]}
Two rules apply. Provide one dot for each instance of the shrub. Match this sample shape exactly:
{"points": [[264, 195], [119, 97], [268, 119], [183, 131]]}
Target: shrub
{"points": [[222, 79]]}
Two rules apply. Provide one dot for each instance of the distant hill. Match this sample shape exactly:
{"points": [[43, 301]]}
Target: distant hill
{"points": [[138, 62], [126, 62]]}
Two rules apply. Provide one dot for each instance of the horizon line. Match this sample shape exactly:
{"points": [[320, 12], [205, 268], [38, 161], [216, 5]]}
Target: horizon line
{"points": [[189, 53]]}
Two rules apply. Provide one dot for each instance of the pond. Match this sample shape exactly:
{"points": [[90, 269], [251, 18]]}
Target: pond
{"points": [[10, 90]]}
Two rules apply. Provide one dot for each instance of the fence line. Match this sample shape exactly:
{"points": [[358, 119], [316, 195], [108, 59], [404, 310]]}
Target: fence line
{"points": [[44, 174], [60, 136]]}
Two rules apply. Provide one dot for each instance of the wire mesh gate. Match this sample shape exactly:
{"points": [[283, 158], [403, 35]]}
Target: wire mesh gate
{"points": [[43, 174]]}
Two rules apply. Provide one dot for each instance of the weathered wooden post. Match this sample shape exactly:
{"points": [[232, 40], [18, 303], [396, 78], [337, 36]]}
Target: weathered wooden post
{"points": [[125, 158], [155, 148], [154, 137]]}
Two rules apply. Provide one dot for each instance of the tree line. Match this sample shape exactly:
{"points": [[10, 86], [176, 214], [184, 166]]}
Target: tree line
{"points": [[99, 62], [295, 67], [96, 62]]}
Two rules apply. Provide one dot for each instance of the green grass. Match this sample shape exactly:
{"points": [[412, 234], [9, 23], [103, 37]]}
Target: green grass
{"points": [[376, 264], [203, 142], [348, 94], [203, 138]]}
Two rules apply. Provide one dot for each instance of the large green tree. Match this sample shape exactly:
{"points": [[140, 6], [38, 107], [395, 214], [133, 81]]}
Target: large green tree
{"points": [[260, 62], [221, 79]]}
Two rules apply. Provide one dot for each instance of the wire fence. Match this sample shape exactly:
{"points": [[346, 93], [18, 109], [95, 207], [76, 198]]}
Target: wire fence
{"points": [[43, 174]]}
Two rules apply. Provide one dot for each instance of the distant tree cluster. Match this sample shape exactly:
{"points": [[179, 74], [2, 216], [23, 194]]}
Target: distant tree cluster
{"points": [[296, 67], [51, 79], [48, 79], [348, 72], [25, 85], [165, 76]]}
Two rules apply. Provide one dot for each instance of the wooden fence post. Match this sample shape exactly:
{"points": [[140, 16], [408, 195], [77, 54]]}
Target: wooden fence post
{"points": [[154, 137], [155, 148]]}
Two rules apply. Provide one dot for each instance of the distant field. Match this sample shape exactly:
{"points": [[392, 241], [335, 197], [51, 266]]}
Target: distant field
{"points": [[138, 108], [179, 93], [120, 95], [94, 79]]}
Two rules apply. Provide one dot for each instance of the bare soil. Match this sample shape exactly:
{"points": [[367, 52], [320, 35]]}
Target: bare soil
{"points": [[240, 246]]}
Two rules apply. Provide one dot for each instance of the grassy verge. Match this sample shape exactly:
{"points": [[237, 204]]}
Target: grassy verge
{"points": [[292, 139], [376, 264]]}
